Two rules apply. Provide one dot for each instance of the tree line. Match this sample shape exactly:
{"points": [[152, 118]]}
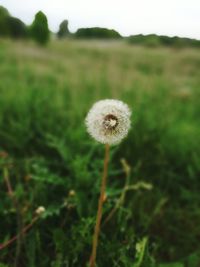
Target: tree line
{"points": [[154, 40], [39, 31]]}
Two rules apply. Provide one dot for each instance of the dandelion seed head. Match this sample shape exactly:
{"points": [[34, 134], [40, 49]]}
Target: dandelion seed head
{"points": [[108, 121]]}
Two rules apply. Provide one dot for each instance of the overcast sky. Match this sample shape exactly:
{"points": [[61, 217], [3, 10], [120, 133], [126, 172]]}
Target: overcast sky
{"points": [[170, 17]]}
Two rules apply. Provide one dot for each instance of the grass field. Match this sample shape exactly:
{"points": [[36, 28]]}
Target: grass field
{"points": [[152, 216]]}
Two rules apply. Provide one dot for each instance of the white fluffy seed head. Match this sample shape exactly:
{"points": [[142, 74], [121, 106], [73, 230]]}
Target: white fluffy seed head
{"points": [[108, 121]]}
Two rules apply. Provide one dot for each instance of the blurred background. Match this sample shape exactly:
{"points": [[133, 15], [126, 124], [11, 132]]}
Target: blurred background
{"points": [[56, 59]]}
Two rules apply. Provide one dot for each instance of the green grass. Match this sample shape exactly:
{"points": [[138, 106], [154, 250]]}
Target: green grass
{"points": [[45, 94]]}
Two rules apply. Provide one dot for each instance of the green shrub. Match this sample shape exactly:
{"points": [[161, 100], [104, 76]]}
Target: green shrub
{"points": [[154, 40], [63, 29], [4, 14], [11, 26], [39, 29], [17, 29], [97, 32]]}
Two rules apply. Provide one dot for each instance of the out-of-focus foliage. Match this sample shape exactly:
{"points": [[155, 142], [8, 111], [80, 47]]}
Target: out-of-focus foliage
{"points": [[17, 29], [4, 15], [151, 214], [63, 29], [153, 40], [11, 26], [39, 29], [96, 32]]}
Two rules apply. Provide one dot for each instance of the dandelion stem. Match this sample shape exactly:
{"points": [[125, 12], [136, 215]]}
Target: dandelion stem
{"points": [[100, 206]]}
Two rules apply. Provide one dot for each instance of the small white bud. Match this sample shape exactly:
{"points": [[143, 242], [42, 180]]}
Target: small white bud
{"points": [[40, 210]]}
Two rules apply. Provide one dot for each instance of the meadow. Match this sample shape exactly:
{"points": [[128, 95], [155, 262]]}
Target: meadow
{"points": [[151, 215]]}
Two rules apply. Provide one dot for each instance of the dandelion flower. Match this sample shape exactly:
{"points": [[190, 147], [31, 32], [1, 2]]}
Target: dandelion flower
{"points": [[108, 121]]}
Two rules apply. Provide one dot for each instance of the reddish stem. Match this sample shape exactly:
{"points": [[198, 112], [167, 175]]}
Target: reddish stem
{"points": [[23, 231]]}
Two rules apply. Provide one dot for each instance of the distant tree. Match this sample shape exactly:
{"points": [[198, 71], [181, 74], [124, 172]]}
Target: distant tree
{"points": [[63, 29], [17, 29], [39, 29], [4, 14], [97, 32]]}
